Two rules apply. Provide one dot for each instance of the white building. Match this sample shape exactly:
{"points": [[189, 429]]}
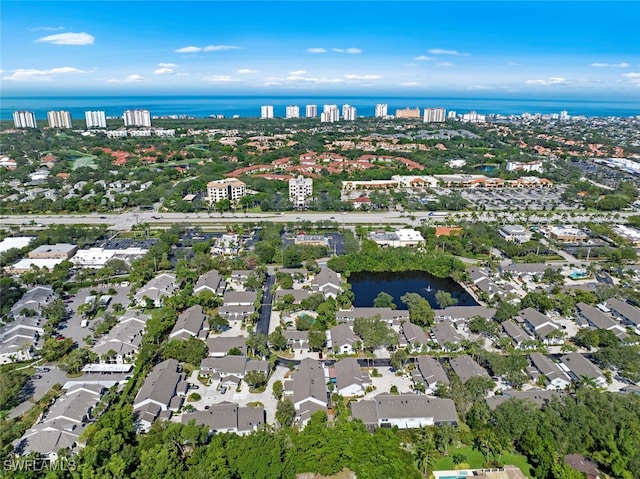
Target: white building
{"points": [[300, 190], [95, 119], [473, 117], [229, 189], [24, 119], [381, 110], [530, 166], [311, 111], [293, 111], [137, 118], [398, 239], [266, 112], [564, 115], [451, 115], [59, 119], [330, 113], [349, 112], [434, 115]]}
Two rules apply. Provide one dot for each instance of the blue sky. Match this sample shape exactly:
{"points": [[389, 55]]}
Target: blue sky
{"points": [[540, 48]]}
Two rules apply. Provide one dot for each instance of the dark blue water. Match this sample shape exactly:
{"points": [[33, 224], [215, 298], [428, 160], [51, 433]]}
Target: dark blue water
{"points": [[249, 106], [367, 285]]}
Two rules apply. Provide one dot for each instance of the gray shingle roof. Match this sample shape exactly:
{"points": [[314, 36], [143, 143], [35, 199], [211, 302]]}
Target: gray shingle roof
{"points": [[466, 368]]}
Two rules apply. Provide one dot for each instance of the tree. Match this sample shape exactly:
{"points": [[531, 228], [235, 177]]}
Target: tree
{"points": [[255, 379], [420, 311], [384, 300], [54, 349], [374, 333], [277, 339], [285, 412], [218, 323], [278, 389], [316, 340], [444, 299], [76, 359], [257, 344], [191, 351], [399, 359]]}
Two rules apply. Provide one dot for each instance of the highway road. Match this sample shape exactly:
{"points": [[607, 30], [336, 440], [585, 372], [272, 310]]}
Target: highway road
{"points": [[125, 221]]}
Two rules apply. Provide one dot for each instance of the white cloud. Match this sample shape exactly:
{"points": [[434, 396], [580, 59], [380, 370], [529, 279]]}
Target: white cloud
{"points": [[445, 64], [31, 74], [167, 65], [220, 79], [549, 81], [363, 77], [611, 65], [631, 75], [441, 51], [410, 83], [246, 71], [190, 49], [317, 50], [68, 38], [351, 51], [298, 72], [45, 29], [128, 79], [163, 71], [298, 78], [424, 58], [219, 48]]}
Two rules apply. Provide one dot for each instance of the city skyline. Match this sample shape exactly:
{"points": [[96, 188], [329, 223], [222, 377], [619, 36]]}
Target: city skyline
{"points": [[527, 48]]}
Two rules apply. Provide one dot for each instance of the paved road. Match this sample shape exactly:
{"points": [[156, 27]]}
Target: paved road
{"points": [[125, 221], [265, 309]]}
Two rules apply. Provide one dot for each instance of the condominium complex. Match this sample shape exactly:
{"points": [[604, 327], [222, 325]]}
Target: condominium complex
{"points": [[381, 110], [229, 189], [266, 112], [349, 112], [59, 119], [311, 111], [293, 111], [137, 118], [300, 190], [408, 113], [452, 114], [434, 115], [95, 119], [330, 113], [24, 119]]}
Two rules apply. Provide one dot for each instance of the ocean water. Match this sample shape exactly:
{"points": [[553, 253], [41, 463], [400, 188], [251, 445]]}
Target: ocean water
{"points": [[249, 106]]}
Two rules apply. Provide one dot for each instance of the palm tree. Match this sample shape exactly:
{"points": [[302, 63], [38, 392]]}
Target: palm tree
{"points": [[425, 454]]}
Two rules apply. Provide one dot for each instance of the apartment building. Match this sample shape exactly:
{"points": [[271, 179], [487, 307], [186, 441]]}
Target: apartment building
{"points": [[330, 114], [349, 112], [381, 110], [228, 189], [293, 111], [300, 190], [434, 115], [408, 113], [266, 112], [311, 111], [95, 119], [59, 119], [137, 118], [24, 119]]}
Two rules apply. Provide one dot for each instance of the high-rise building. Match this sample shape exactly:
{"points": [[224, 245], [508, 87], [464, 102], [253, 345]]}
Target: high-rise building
{"points": [[311, 111], [95, 119], [330, 113], [434, 115], [59, 119], [408, 113], [293, 111], [24, 119], [300, 190], [451, 114], [266, 112], [228, 189], [564, 115], [349, 112], [381, 110], [137, 118]]}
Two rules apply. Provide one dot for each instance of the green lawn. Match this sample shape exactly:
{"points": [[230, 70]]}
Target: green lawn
{"points": [[85, 161], [476, 460]]}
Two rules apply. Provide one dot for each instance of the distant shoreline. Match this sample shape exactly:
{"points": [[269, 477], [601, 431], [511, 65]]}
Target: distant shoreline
{"points": [[246, 106]]}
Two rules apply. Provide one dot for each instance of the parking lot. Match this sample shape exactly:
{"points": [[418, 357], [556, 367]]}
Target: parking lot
{"points": [[512, 198]]}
